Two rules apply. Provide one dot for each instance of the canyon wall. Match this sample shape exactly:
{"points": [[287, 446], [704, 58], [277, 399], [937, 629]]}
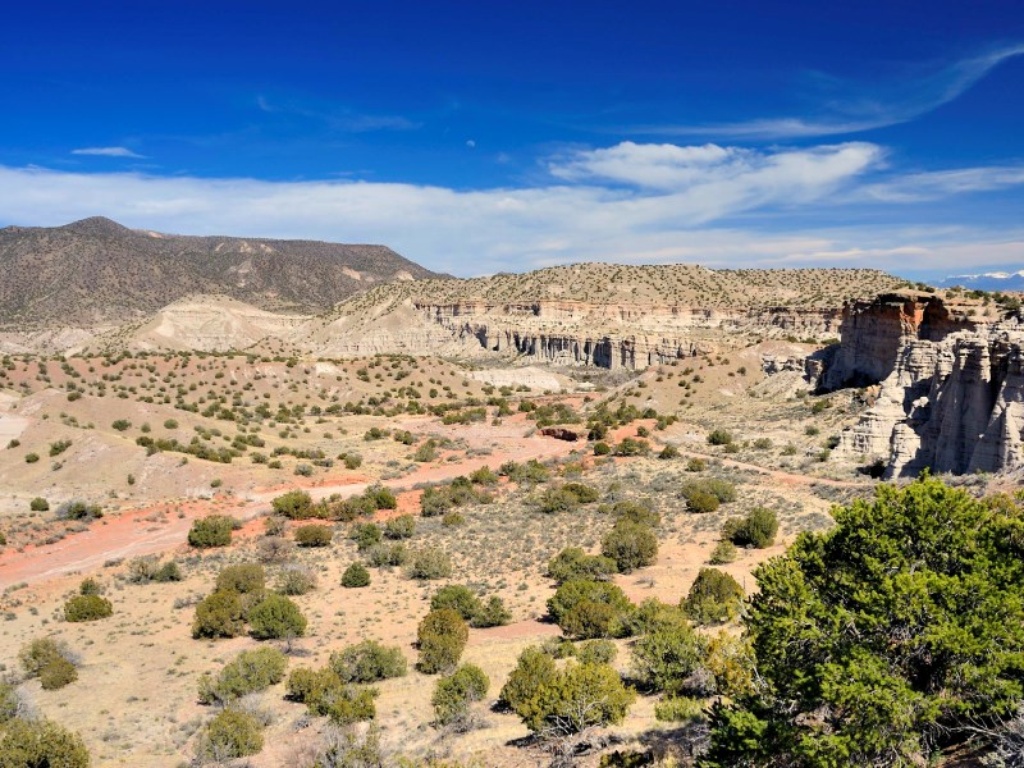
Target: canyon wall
{"points": [[950, 394], [615, 335]]}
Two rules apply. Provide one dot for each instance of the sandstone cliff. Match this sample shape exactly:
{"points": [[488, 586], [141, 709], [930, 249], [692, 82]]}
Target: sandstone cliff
{"points": [[951, 394]]}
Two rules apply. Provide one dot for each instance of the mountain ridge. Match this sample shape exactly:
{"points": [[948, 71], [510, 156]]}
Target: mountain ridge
{"points": [[96, 271]]}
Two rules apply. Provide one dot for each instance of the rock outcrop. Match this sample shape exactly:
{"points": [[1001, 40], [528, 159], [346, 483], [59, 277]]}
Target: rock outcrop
{"points": [[951, 395], [615, 336]]}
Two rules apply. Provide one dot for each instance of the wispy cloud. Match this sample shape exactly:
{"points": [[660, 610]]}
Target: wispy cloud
{"points": [[935, 185], [107, 152], [634, 203], [342, 120], [854, 107]]}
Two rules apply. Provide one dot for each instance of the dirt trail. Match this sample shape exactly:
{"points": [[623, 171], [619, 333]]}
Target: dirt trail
{"points": [[786, 478], [152, 531]]}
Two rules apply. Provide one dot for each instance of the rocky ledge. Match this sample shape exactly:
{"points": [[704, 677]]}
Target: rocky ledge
{"points": [[950, 394]]}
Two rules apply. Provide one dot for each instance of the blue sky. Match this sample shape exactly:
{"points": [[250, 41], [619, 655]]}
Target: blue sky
{"points": [[482, 137]]}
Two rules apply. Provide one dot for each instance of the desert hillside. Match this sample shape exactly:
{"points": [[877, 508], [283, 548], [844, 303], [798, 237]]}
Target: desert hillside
{"points": [[96, 271]]}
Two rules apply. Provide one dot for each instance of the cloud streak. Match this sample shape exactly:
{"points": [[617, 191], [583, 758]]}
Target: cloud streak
{"points": [[107, 152], [634, 203], [857, 107]]}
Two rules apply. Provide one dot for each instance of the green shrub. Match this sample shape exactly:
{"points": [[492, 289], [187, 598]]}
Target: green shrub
{"points": [[442, 636], [900, 623], [457, 597], [635, 512], [401, 527], [571, 699], [220, 614], [701, 501], [87, 608], [632, 447], [40, 744], [295, 580], [573, 563], [452, 519], [602, 449], [631, 545], [355, 576], [429, 563], [724, 552], [365, 535], [9, 702], [230, 734], [589, 609], [757, 529], [295, 505], [596, 652], [314, 535], [454, 694], [276, 617], [719, 437], [484, 476], [679, 709], [368, 662], [669, 452], [56, 674], [76, 509], [245, 578], [381, 496], [667, 655], [555, 500], [714, 598], [42, 651], [121, 425], [324, 693], [248, 672], [696, 465], [493, 613], [39, 504], [90, 586], [31, 458], [212, 531]]}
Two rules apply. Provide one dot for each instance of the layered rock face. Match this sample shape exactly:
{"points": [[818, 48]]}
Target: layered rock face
{"points": [[614, 336], [951, 395]]}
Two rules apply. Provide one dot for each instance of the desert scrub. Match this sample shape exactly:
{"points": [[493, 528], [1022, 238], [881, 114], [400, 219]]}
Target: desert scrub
{"points": [[314, 535], [429, 563], [50, 660], [276, 617], [368, 662], [231, 734], [220, 614], [88, 607], [573, 563], [212, 531], [355, 576], [295, 580], [454, 694], [442, 636], [41, 742], [324, 693], [248, 672], [714, 598], [757, 529]]}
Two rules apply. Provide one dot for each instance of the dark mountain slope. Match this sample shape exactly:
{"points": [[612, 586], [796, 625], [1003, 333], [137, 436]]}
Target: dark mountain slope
{"points": [[97, 271]]}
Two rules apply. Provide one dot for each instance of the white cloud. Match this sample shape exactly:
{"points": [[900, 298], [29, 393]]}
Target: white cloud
{"points": [[858, 107], [919, 187], [106, 152], [627, 203]]}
